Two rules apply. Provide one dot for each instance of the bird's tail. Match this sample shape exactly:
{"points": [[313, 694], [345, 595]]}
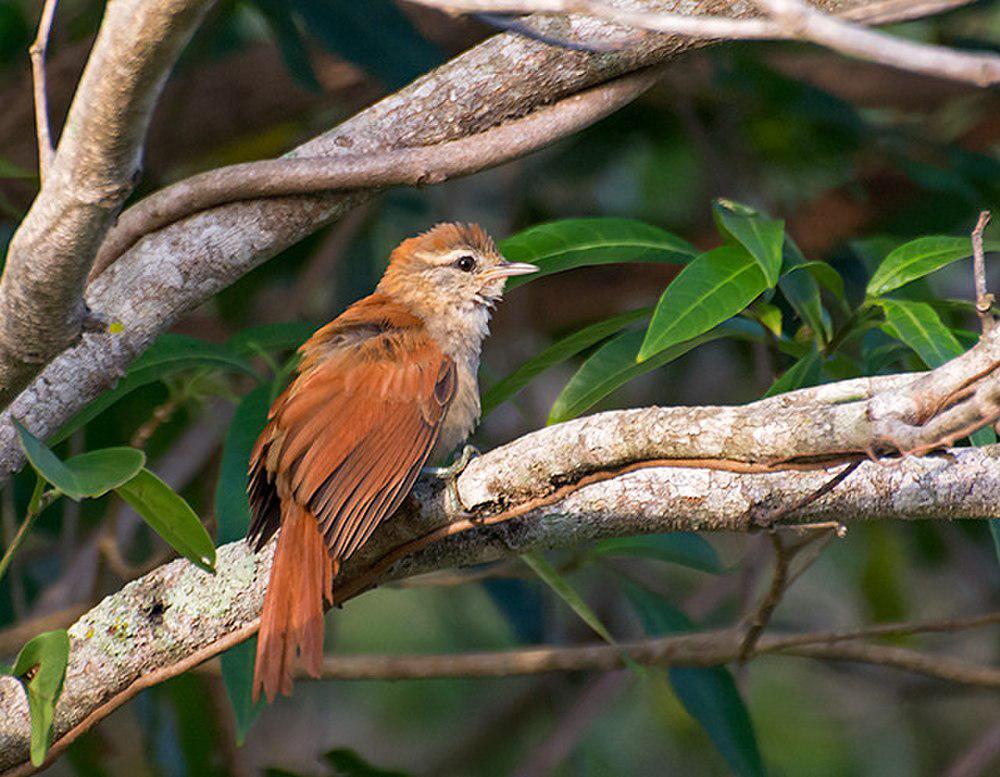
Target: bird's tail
{"points": [[292, 620]]}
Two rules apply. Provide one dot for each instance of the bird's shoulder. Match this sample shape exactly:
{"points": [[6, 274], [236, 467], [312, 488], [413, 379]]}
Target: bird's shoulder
{"points": [[374, 329]]}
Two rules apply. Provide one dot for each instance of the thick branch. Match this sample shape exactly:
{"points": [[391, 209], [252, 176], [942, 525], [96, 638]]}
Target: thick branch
{"points": [[97, 163], [176, 269]]}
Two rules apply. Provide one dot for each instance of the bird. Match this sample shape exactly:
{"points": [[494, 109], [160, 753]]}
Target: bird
{"points": [[387, 385]]}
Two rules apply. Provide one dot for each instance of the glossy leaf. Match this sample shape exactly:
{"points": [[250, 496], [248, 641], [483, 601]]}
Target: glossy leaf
{"points": [[761, 236], [685, 548], [41, 668], [614, 364], [170, 516], [90, 474], [557, 353], [825, 275], [48, 466], [805, 372], [715, 286], [170, 353], [801, 289], [565, 245], [918, 258], [918, 326], [709, 695]]}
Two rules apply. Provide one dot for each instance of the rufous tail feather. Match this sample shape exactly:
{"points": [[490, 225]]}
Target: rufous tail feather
{"points": [[291, 623]]}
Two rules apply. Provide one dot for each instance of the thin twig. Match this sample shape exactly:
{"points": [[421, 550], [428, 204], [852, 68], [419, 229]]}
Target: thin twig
{"points": [[984, 300], [43, 501], [762, 614], [37, 51]]}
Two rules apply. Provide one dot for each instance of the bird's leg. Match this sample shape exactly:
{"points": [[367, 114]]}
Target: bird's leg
{"points": [[450, 473]]}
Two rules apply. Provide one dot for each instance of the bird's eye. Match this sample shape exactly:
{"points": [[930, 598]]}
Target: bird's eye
{"points": [[466, 263]]}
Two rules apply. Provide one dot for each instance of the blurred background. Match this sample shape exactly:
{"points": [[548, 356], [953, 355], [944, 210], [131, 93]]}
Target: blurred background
{"points": [[854, 157]]}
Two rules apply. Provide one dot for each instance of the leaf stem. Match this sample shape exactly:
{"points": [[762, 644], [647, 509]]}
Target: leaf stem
{"points": [[40, 499]]}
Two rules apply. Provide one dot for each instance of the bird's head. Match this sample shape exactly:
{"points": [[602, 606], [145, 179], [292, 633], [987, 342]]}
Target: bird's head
{"points": [[450, 268]]}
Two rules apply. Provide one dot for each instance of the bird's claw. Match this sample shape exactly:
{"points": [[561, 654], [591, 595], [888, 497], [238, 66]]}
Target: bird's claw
{"points": [[453, 470], [450, 473]]}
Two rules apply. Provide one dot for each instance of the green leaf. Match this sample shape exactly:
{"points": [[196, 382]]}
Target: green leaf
{"points": [[995, 533], [769, 315], [614, 364], [564, 245], [46, 463], [551, 577], [169, 354], [801, 289], [761, 236], [347, 763], [685, 548], [100, 471], [824, 274], [715, 286], [918, 326], [557, 353], [805, 372], [45, 658], [90, 474], [282, 336], [169, 516], [709, 695], [918, 258], [237, 675], [232, 508]]}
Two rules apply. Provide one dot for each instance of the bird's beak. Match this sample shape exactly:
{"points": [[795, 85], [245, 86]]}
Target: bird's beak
{"points": [[507, 269]]}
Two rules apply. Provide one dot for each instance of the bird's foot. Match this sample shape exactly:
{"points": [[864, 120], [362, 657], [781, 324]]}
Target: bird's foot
{"points": [[450, 473], [453, 470]]}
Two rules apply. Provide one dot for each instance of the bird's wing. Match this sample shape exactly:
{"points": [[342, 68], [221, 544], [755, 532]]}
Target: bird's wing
{"points": [[348, 438]]}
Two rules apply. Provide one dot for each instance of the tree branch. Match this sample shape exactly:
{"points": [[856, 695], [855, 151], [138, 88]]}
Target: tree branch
{"points": [[95, 167]]}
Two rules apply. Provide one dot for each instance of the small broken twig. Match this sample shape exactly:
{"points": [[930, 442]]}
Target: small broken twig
{"points": [[984, 300], [37, 53]]}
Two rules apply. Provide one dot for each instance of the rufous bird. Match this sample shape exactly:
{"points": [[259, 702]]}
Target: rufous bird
{"points": [[389, 383]]}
